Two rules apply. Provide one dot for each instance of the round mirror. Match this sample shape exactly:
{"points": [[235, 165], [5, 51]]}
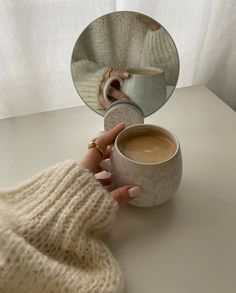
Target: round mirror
{"points": [[125, 56]]}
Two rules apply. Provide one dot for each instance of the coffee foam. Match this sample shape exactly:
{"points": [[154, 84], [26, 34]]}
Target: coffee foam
{"points": [[147, 146], [143, 72]]}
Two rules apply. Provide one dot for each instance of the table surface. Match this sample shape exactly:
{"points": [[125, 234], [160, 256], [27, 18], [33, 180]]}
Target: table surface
{"points": [[188, 244]]}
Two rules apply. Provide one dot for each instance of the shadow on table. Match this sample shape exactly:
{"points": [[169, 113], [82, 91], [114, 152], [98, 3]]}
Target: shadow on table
{"points": [[134, 223]]}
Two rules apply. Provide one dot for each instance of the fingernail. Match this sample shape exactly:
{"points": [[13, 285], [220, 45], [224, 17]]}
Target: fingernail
{"points": [[134, 191], [126, 74], [106, 165], [120, 124]]}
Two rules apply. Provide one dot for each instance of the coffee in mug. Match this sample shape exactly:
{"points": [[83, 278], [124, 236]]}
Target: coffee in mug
{"points": [[148, 156], [145, 71], [148, 146]]}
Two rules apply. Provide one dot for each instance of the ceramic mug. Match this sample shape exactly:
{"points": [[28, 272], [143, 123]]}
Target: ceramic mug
{"points": [[159, 181], [145, 86]]}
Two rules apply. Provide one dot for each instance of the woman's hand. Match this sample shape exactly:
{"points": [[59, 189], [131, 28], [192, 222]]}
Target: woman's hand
{"points": [[93, 159], [113, 91]]}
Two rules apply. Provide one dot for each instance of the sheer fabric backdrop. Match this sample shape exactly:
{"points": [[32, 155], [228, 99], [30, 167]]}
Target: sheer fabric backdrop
{"points": [[37, 37]]}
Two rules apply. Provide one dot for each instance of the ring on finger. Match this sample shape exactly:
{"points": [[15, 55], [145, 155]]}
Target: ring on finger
{"points": [[93, 144], [109, 71]]}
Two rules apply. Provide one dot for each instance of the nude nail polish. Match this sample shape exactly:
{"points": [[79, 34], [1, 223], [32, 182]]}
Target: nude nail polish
{"points": [[126, 74], [134, 191]]}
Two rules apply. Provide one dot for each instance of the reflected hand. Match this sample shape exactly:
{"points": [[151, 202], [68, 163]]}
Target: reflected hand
{"points": [[92, 162], [113, 91]]}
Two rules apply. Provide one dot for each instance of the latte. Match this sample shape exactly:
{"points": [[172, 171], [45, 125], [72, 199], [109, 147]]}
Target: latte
{"points": [[147, 146]]}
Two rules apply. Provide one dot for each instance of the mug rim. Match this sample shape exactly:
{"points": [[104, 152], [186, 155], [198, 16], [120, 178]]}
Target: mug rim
{"points": [[162, 129], [148, 68]]}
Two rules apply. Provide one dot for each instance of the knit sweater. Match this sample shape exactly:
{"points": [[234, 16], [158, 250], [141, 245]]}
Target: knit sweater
{"points": [[123, 42], [49, 234]]}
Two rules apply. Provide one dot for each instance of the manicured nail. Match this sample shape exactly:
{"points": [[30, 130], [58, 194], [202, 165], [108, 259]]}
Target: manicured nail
{"points": [[126, 74], [134, 191], [120, 125]]}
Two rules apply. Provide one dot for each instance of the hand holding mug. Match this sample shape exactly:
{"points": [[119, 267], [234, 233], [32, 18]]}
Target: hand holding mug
{"points": [[101, 151], [114, 88], [146, 87]]}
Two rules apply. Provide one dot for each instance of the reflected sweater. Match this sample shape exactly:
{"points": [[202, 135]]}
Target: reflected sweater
{"points": [[49, 234], [121, 44]]}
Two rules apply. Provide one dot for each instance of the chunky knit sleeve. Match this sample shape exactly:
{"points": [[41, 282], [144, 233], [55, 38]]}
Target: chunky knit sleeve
{"points": [[159, 51], [87, 79], [49, 234]]}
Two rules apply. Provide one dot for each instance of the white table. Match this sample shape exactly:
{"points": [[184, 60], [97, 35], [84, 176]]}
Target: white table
{"points": [[185, 246]]}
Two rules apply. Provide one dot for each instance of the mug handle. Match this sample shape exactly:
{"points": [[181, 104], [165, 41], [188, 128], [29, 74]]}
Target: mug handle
{"points": [[107, 84]]}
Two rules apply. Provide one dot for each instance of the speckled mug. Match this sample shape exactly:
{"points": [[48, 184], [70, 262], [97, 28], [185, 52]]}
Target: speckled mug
{"points": [[159, 181], [146, 86]]}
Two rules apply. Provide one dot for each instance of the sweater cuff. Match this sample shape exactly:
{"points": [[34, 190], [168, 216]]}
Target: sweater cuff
{"points": [[159, 51], [61, 204]]}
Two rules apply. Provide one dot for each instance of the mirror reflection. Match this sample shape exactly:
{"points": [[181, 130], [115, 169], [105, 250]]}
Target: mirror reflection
{"points": [[125, 55]]}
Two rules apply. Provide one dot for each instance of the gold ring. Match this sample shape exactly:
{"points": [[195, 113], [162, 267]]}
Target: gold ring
{"points": [[109, 71], [93, 144]]}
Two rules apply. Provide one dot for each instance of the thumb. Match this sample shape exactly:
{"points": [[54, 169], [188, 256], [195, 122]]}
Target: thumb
{"points": [[126, 193]]}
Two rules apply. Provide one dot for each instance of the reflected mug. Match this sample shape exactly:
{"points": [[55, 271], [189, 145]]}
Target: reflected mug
{"points": [[145, 86]]}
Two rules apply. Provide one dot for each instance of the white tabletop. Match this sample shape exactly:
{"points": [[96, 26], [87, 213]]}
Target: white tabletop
{"points": [[187, 245]]}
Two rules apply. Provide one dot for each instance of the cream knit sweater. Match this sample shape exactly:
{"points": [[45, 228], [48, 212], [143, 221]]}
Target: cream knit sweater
{"points": [[123, 42], [49, 234]]}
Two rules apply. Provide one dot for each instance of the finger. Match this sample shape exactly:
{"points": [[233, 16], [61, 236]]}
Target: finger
{"points": [[117, 94], [120, 73], [126, 193], [93, 157], [102, 101], [107, 153], [105, 181], [108, 137], [103, 175], [91, 161], [106, 165]]}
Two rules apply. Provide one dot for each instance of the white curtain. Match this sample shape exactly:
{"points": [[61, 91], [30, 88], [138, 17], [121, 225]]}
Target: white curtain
{"points": [[37, 38]]}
